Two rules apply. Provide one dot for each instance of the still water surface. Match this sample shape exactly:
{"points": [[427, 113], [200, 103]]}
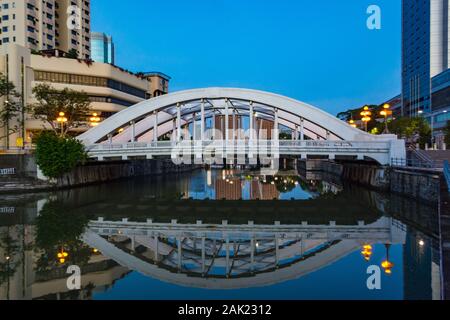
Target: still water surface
{"points": [[218, 235]]}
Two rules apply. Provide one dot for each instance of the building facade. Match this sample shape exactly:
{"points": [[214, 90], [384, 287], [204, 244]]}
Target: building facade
{"points": [[47, 25], [441, 106], [110, 88], [102, 47], [425, 51]]}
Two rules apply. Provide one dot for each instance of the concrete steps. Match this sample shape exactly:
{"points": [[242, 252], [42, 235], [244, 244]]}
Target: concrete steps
{"points": [[10, 184]]}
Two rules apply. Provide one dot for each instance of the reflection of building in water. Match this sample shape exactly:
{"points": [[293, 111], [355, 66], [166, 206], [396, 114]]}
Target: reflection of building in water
{"points": [[20, 279], [263, 191], [229, 189], [421, 266]]}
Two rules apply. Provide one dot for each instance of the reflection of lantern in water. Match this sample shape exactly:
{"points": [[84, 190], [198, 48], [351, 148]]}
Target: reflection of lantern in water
{"points": [[367, 252], [62, 256], [386, 264]]}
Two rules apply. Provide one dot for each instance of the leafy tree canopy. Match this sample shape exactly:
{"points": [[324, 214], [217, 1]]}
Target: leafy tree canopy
{"points": [[50, 102], [56, 155]]}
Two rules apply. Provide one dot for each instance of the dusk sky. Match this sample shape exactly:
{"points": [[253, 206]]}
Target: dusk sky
{"points": [[319, 52]]}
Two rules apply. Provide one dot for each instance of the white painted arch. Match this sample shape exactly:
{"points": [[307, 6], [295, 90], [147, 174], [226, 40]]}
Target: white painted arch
{"points": [[317, 123]]}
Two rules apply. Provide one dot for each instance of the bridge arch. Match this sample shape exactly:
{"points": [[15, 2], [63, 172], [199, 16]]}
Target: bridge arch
{"points": [[147, 121]]}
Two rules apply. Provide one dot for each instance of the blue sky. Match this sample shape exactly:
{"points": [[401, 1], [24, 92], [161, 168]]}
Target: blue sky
{"points": [[319, 52]]}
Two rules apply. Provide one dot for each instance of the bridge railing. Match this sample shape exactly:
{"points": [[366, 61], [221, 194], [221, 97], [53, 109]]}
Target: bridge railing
{"points": [[242, 143], [415, 163]]}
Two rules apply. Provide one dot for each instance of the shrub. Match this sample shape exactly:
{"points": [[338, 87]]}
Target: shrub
{"points": [[56, 155]]}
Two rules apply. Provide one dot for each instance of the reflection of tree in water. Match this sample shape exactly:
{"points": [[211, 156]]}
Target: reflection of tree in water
{"points": [[58, 229], [283, 184], [11, 248]]}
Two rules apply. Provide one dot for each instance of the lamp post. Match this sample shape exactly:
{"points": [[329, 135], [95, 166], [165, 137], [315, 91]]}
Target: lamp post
{"points": [[62, 120], [386, 112], [386, 264], [94, 120], [366, 116], [352, 123], [62, 256], [367, 252]]}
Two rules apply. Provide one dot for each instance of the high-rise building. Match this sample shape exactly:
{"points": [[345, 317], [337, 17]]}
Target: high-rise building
{"points": [[46, 25], [425, 51], [102, 47]]}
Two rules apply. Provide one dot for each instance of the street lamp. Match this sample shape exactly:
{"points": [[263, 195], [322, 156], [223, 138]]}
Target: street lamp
{"points": [[62, 256], [61, 120], [386, 264], [95, 120], [386, 112], [366, 116], [352, 123], [367, 252]]}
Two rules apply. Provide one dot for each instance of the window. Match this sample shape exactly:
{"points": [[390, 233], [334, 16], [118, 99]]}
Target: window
{"points": [[88, 81]]}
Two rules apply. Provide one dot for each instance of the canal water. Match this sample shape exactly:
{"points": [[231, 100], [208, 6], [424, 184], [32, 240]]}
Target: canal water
{"points": [[219, 234]]}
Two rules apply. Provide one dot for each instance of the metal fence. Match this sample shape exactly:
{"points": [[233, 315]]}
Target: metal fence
{"points": [[414, 163]]}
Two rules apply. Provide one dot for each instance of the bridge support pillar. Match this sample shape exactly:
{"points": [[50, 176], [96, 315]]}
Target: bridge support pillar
{"points": [[133, 131], [251, 123], [227, 114], [332, 157], [155, 127], [202, 124], [194, 126], [178, 122], [276, 133], [302, 129]]}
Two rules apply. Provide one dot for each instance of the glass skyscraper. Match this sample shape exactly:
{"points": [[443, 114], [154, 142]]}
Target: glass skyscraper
{"points": [[102, 48], [425, 51]]}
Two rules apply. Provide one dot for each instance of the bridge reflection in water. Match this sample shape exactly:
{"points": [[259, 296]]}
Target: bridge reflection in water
{"points": [[233, 256], [164, 232]]}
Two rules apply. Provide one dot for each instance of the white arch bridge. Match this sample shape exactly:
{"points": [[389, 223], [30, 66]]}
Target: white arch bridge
{"points": [[228, 122]]}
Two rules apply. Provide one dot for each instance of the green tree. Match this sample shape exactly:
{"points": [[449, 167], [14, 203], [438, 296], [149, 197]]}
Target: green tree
{"points": [[56, 155], [414, 130], [50, 102], [72, 54], [56, 229], [447, 134], [10, 109]]}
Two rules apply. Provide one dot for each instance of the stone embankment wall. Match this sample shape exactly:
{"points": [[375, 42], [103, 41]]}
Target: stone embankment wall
{"points": [[97, 172], [27, 177], [367, 175], [24, 165], [422, 185]]}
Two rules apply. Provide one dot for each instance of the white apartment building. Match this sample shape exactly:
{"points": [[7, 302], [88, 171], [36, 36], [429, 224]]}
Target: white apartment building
{"points": [[46, 25]]}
